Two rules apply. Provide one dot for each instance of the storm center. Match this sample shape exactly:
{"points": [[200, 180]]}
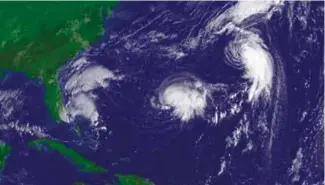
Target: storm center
{"points": [[187, 99]]}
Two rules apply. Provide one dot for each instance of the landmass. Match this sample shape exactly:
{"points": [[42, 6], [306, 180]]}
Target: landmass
{"points": [[133, 180], [79, 183], [84, 164], [4, 153], [36, 38], [126, 180]]}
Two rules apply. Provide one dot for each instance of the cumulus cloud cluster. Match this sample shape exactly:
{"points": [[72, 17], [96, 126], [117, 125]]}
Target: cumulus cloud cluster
{"points": [[245, 9], [250, 51], [247, 50], [10, 101], [24, 129], [187, 99], [79, 87]]}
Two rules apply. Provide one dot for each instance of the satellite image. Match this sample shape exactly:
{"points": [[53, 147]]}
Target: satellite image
{"points": [[162, 93]]}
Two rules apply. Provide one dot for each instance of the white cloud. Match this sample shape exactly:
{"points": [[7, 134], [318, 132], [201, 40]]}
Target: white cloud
{"points": [[222, 167], [294, 171], [10, 100], [245, 9], [241, 11], [80, 105], [186, 100], [79, 87], [248, 50], [259, 69], [24, 129], [91, 78]]}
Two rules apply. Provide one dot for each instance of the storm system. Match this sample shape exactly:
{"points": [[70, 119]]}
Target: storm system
{"points": [[198, 93]]}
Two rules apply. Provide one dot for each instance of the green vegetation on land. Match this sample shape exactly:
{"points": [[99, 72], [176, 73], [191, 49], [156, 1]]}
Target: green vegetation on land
{"points": [[84, 164], [126, 180], [133, 180], [79, 183], [38, 37], [4, 152], [2, 74]]}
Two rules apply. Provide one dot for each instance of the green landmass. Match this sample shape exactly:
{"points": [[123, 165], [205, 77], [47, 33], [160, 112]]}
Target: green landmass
{"points": [[36, 38], [79, 183], [4, 152], [2, 74], [126, 180], [132, 180], [84, 164]]}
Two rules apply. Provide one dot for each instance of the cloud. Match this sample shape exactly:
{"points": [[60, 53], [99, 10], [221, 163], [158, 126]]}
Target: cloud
{"points": [[250, 50], [245, 9], [24, 129], [79, 87], [89, 79], [10, 101], [187, 99]]}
